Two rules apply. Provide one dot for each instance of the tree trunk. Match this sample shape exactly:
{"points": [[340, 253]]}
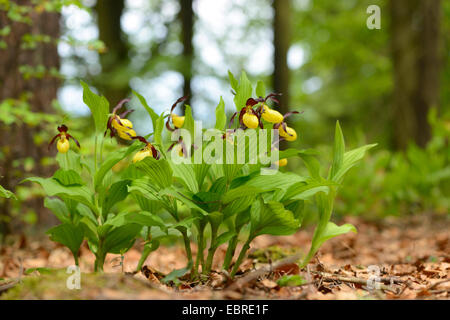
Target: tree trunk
{"points": [[187, 32], [113, 81], [17, 140], [416, 54], [281, 43]]}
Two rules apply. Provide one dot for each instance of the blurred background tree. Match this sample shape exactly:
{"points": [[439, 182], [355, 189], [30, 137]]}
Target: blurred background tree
{"points": [[380, 83], [29, 82]]}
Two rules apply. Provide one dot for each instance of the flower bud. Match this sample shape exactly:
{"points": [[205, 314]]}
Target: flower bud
{"points": [[63, 145], [290, 134], [177, 120], [272, 116], [250, 120]]}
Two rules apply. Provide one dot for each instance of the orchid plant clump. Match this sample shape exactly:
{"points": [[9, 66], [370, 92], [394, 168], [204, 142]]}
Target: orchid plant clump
{"points": [[211, 202]]}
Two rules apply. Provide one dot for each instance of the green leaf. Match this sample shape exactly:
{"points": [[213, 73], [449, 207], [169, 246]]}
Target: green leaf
{"points": [[116, 193], [175, 274], [221, 117], [144, 187], [121, 239], [153, 115], [158, 171], [224, 237], [185, 199], [84, 211], [184, 224], [233, 82], [99, 107], [189, 122], [321, 235], [210, 201], [158, 129], [69, 161], [78, 193], [279, 180], [148, 248], [58, 208], [68, 235], [305, 189], [293, 280], [201, 171], [260, 89], [243, 91], [313, 166], [238, 205], [143, 218], [239, 192], [68, 177], [90, 230], [338, 151], [112, 159], [6, 193], [185, 173], [272, 218], [351, 158]]}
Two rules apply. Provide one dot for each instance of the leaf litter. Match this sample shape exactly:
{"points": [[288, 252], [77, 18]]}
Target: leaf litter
{"points": [[402, 258]]}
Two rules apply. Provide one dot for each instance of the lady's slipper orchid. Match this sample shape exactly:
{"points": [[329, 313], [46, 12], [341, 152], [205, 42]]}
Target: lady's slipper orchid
{"points": [[288, 133], [148, 151], [270, 115], [63, 144], [282, 162], [180, 147], [177, 121], [118, 125], [248, 118]]}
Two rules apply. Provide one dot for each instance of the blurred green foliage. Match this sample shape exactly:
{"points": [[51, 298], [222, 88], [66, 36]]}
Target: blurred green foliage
{"points": [[396, 183]]}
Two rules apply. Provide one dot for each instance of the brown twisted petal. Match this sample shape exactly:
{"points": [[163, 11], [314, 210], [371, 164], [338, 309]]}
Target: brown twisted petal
{"points": [[232, 119], [177, 102], [53, 140], [271, 97], [125, 113], [76, 141], [168, 125], [140, 138], [251, 102], [290, 113], [120, 104], [241, 115]]}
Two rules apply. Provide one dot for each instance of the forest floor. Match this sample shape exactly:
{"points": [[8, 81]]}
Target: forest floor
{"points": [[411, 256]]}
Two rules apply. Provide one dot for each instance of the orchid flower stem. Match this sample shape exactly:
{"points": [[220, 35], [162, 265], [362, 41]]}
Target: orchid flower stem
{"points": [[241, 257], [230, 253], [187, 246], [211, 252], [199, 259], [95, 153], [66, 161], [101, 150]]}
